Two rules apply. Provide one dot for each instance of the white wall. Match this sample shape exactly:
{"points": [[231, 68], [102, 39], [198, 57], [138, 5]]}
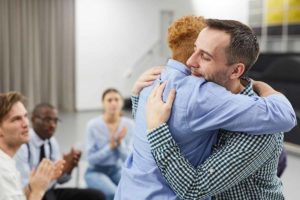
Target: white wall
{"points": [[112, 35], [228, 9]]}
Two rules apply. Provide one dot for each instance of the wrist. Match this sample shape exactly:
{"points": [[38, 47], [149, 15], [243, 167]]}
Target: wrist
{"points": [[36, 194], [154, 126], [135, 92]]}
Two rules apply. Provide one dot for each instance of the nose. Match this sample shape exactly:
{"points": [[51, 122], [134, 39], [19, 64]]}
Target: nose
{"points": [[25, 122], [53, 124], [192, 61]]}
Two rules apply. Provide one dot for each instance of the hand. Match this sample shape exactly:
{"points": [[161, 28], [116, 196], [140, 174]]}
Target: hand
{"points": [[40, 178], [263, 89], [58, 169], [113, 144], [72, 159], [146, 79], [158, 112], [121, 135]]}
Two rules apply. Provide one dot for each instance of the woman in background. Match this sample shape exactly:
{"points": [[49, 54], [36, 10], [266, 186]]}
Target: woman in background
{"points": [[108, 144]]}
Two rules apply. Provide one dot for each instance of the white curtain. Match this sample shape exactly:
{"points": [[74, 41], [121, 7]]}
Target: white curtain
{"points": [[37, 50]]}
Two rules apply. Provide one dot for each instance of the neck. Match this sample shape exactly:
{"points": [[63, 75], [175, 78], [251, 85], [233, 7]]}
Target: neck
{"points": [[235, 86], [111, 118], [9, 150], [39, 135]]}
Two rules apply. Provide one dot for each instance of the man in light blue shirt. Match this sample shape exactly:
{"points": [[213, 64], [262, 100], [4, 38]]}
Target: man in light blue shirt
{"points": [[200, 109]]}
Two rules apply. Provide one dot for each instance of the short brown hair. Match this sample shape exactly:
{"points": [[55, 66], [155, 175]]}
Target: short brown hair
{"points": [[7, 100], [243, 46], [182, 35], [109, 90]]}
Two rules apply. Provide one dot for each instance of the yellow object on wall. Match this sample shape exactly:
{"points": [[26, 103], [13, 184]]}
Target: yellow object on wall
{"points": [[293, 3], [277, 12], [294, 16], [275, 18], [275, 4]]}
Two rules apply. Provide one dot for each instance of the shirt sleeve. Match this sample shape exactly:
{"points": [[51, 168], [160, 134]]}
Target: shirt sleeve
{"points": [[241, 156], [98, 149], [212, 107], [134, 101], [22, 163]]}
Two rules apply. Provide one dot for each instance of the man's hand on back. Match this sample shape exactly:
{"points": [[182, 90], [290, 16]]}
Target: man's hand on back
{"points": [[146, 79], [157, 111], [263, 89]]}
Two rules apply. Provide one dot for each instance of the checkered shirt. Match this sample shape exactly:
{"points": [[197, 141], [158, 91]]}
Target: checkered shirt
{"points": [[242, 167]]}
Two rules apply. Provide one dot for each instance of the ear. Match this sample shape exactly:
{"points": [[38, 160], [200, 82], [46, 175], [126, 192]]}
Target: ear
{"points": [[238, 70]]}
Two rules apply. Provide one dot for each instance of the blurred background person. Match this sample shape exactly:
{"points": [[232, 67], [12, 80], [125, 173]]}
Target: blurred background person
{"points": [[14, 127], [108, 144], [42, 144]]}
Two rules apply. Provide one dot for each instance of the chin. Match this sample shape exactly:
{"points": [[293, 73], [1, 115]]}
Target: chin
{"points": [[25, 139]]}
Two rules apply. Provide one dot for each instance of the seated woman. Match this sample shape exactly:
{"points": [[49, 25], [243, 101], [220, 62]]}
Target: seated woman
{"points": [[108, 144]]}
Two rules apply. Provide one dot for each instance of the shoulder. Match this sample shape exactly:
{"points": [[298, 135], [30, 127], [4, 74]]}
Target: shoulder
{"points": [[97, 121], [24, 149], [128, 121]]}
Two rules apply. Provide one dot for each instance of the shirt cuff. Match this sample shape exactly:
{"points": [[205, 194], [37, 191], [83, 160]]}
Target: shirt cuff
{"points": [[135, 100], [160, 137]]}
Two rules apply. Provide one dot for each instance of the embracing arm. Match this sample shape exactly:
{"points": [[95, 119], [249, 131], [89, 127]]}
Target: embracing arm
{"points": [[238, 159], [212, 107]]}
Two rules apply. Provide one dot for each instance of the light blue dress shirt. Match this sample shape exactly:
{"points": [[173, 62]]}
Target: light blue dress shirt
{"points": [[27, 157], [200, 109]]}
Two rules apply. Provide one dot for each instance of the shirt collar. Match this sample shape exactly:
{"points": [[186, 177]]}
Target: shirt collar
{"points": [[36, 140], [178, 66], [248, 90]]}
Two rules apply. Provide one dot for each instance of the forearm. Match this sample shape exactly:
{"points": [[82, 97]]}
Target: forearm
{"points": [[134, 101], [36, 195], [103, 155], [64, 178], [33, 194], [263, 89], [123, 150], [221, 171]]}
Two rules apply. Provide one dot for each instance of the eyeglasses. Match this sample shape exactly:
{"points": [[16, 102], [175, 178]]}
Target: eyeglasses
{"points": [[48, 119]]}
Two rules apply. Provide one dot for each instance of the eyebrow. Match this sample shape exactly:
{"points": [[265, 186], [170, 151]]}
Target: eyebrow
{"points": [[202, 51], [17, 116], [206, 53]]}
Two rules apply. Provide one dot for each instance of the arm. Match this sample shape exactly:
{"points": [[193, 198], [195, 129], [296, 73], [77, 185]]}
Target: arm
{"points": [[40, 179], [134, 102], [145, 80], [207, 111], [212, 107], [240, 157], [263, 89], [56, 157], [22, 164]]}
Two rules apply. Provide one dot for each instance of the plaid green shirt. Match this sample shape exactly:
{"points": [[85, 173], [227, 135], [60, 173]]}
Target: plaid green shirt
{"points": [[242, 167]]}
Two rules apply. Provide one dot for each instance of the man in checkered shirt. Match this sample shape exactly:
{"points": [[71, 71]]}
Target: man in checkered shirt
{"points": [[242, 166]]}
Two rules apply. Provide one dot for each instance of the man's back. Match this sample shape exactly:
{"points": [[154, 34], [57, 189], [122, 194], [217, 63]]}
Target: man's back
{"points": [[140, 175]]}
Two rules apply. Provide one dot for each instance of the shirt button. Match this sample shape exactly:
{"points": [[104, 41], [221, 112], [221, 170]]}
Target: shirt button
{"points": [[211, 171]]}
